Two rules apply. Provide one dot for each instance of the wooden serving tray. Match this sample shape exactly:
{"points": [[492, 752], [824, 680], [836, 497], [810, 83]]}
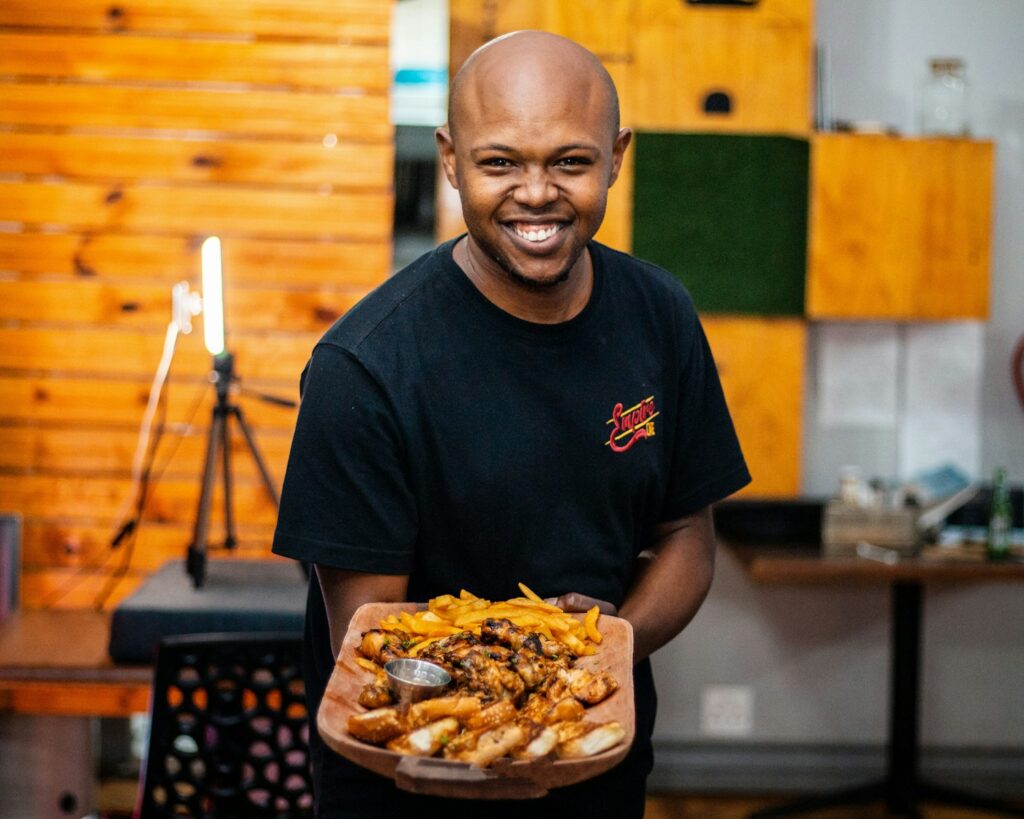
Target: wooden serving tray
{"points": [[443, 777]]}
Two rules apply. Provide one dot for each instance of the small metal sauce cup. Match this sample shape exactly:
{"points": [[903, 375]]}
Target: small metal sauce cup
{"points": [[414, 680]]}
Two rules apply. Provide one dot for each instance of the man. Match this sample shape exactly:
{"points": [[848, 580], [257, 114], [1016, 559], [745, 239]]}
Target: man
{"points": [[521, 404]]}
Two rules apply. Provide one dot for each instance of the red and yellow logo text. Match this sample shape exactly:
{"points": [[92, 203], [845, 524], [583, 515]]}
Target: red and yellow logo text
{"points": [[631, 425]]}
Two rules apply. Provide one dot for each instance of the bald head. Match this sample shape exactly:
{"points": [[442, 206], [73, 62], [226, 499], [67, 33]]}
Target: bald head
{"points": [[530, 66]]}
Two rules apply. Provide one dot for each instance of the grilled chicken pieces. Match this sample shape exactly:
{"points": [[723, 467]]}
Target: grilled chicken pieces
{"points": [[382, 646], [514, 694]]}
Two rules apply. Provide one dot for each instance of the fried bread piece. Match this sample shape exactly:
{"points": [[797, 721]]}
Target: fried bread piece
{"points": [[577, 740], [541, 741], [427, 711], [492, 744], [377, 726], [428, 740], [492, 715]]}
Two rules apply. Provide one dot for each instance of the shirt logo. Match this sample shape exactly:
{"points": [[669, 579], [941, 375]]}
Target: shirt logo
{"points": [[631, 425]]}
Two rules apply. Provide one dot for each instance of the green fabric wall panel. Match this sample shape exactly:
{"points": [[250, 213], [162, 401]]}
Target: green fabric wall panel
{"points": [[727, 215]]}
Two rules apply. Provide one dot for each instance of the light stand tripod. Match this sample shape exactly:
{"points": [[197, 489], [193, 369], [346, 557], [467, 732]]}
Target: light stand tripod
{"points": [[220, 443]]}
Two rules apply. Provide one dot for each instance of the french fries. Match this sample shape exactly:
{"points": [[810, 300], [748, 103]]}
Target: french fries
{"points": [[447, 614]]}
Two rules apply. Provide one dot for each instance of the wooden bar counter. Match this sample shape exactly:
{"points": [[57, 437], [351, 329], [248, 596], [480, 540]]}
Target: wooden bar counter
{"points": [[56, 663]]}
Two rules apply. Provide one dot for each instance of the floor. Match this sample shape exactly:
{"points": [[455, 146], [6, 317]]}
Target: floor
{"points": [[733, 807], [117, 798]]}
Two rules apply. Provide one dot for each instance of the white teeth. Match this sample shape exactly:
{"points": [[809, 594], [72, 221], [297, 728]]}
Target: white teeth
{"points": [[537, 235]]}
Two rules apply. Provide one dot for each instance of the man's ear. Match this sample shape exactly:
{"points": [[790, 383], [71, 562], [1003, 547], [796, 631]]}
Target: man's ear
{"points": [[622, 140], [446, 150]]}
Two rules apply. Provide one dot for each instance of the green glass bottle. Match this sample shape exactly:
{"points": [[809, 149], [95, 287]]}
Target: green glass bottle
{"points": [[1000, 519]]}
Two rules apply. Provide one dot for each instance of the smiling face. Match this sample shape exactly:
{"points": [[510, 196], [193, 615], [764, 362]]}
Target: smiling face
{"points": [[532, 147]]}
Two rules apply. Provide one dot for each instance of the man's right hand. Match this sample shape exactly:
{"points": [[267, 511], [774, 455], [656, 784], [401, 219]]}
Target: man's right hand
{"points": [[574, 601]]}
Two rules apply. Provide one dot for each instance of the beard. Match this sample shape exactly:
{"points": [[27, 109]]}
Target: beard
{"points": [[524, 281]]}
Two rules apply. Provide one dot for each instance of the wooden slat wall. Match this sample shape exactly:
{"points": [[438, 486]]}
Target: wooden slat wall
{"points": [[128, 133]]}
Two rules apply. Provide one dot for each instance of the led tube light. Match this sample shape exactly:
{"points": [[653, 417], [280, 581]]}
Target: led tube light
{"points": [[213, 297]]}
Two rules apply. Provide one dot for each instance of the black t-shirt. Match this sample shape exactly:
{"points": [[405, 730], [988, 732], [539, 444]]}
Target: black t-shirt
{"points": [[446, 439]]}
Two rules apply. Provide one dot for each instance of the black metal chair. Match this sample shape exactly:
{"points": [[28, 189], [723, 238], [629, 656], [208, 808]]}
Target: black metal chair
{"points": [[229, 730]]}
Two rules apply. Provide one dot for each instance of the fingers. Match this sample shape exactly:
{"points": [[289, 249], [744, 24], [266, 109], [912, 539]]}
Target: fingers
{"points": [[574, 601]]}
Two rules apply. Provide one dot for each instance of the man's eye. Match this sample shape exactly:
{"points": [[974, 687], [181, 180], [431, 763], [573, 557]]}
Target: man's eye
{"points": [[497, 162], [573, 161]]}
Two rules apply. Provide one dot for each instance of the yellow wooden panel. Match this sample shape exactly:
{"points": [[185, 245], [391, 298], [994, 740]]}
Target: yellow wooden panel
{"points": [[199, 210], [760, 56], [169, 259], [363, 21], [149, 305], [131, 57], [761, 364], [73, 545], [617, 228], [305, 115], [899, 228], [58, 451], [122, 158], [603, 26], [957, 203], [272, 356], [91, 498], [77, 401]]}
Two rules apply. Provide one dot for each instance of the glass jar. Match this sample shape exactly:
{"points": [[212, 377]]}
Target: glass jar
{"points": [[944, 99]]}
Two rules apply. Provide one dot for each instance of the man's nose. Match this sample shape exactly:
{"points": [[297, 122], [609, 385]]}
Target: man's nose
{"points": [[535, 189]]}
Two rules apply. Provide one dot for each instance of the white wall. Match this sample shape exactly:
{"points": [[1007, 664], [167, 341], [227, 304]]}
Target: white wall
{"points": [[817, 658]]}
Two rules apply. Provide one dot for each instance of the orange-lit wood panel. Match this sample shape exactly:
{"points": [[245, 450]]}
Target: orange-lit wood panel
{"points": [[70, 546], [55, 399], [278, 356], [272, 163], [168, 259], [148, 305], [293, 114], [199, 210], [46, 450], [128, 133], [899, 228], [89, 497], [761, 365], [358, 21], [132, 57]]}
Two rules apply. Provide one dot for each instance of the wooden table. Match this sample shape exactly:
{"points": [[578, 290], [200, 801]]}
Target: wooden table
{"points": [[56, 662], [901, 789]]}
